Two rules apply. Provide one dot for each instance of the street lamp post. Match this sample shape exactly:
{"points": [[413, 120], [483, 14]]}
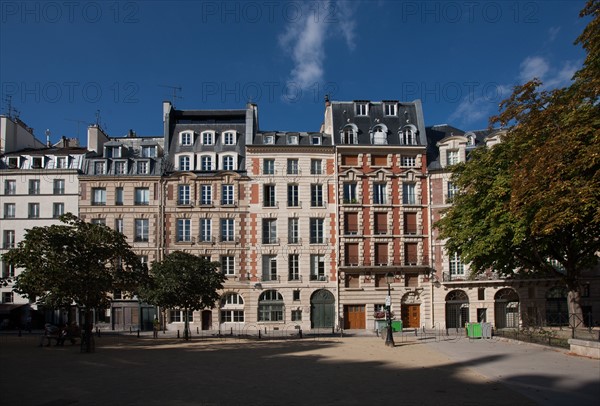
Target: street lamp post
{"points": [[389, 339]]}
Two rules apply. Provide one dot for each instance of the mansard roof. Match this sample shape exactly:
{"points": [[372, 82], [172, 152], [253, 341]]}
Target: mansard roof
{"points": [[345, 113], [281, 138]]}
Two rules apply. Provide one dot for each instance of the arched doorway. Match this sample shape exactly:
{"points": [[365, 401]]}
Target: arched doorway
{"points": [[457, 309], [506, 308], [322, 309], [557, 311]]}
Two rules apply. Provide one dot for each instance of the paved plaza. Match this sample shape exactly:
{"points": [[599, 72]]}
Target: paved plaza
{"points": [[126, 370]]}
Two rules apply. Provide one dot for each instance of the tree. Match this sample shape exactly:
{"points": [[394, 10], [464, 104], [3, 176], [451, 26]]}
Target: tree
{"points": [[75, 263], [184, 281], [531, 203]]}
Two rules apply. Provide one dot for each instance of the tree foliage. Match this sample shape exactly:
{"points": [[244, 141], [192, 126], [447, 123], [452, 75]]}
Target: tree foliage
{"points": [[184, 281], [74, 263], [531, 203]]}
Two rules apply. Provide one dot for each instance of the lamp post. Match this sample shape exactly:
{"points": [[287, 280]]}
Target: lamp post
{"points": [[389, 339]]}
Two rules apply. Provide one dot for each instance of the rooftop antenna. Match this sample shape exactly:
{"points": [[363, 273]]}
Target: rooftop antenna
{"points": [[78, 123], [98, 118], [175, 89], [11, 111]]}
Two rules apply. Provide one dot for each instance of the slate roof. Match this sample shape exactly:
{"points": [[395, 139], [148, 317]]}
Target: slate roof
{"points": [[439, 132], [281, 138], [207, 120], [344, 112]]}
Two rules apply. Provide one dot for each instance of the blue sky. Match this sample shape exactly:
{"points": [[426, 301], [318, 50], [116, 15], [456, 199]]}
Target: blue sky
{"points": [[62, 62]]}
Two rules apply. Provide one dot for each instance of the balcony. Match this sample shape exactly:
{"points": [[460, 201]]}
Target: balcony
{"points": [[319, 278], [389, 262], [202, 239], [467, 276], [270, 241], [270, 278]]}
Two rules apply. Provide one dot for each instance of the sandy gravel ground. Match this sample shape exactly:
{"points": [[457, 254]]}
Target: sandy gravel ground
{"points": [[323, 371]]}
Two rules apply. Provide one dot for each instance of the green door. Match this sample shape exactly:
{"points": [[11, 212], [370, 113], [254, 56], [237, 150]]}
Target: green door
{"points": [[322, 309]]}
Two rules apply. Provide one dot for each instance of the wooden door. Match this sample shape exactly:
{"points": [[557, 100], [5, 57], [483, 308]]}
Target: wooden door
{"points": [[354, 317], [411, 316]]}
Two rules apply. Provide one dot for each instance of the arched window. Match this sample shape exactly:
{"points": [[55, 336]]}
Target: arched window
{"points": [[206, 163], [228, 163], [270, 306], [409, 135], [457, 309], [184, 163], [186, 138], [232, 308], [349, 134], [379, 135]]}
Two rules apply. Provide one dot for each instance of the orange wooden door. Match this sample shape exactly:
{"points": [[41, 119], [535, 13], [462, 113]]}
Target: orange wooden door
{"points": [[411, 316], [354, 317]]}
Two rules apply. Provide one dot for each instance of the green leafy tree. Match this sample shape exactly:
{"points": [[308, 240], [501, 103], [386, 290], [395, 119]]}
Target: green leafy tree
{"points": [[75, 263], [531, 203], [184, 281]]}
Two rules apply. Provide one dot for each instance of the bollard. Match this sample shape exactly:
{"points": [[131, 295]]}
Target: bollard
{"points": [[138, 333], [98, 331], [258, 333], [197, 330], [231, 332], [130, 331], [177, 333], [300, 333]]}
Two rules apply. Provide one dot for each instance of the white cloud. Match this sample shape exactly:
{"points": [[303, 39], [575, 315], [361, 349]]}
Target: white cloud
{"points": [[533, 67], [563, 76], [553, 33], [305, 39], [474, 109]]}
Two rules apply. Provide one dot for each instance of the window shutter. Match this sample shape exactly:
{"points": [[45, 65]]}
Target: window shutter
{"points": [[351, 223], [381, 223], [410, 223]]}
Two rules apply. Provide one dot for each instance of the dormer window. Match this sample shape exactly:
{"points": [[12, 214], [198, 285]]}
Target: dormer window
{"points": [[229, 138], [149, 151], [208, 138], [228, 163], [120, 167], [452, 157], [113, 152], [143, 167], [184, 163], [99, 168], [409, 135], [315, 140], [269, 139], [62, 162], [186, 138], [206, 163], [362, 109], [350, 135], [37, 162], [379, 135], [292, 140], [13, 162], [390, 109]]}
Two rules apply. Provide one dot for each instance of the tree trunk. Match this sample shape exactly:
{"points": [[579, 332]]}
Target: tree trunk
{"points": [[186, 325], [87, 338], [574, 306]]}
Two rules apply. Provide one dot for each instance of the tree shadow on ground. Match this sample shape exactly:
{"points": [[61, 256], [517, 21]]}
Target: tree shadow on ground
{"points": [[301, 372]]}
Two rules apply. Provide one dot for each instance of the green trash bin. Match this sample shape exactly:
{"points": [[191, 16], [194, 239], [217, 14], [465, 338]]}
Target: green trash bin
{"points": [[396, 325], [473, 330]]}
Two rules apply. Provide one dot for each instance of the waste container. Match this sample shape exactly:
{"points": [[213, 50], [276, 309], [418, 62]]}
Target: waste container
{"points": [[486, 330], [380, 325], [396, 325], [473, 330]]}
